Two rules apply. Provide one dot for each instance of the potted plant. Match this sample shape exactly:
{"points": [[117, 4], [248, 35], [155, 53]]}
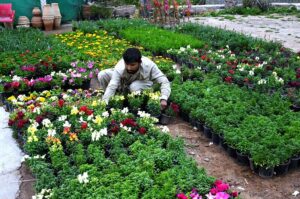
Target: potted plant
{"points": [[171, 112], [153, 107], [135, 101]]}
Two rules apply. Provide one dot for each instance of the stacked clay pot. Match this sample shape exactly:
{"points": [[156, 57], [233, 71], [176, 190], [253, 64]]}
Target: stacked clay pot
{"points": [[23, 21], [36, 20], [48, 17], [57, 15]]}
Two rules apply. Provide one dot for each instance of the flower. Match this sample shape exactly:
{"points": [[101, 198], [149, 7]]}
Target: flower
{"points": [[142, 130], [235, 194], [74, 110], [47, 123], [97, 134], [222, 187], [84, 125], [105, 114], [222, 195], [98, 120], [181, 196], [51, 132], [61, 103], [83, 178], [210, 196]]}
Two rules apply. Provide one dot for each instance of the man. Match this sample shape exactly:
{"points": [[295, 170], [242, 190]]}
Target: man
{"points": [[133, 73]]}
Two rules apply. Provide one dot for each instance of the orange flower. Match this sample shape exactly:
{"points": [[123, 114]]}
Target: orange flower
{"points": [[66, 130], [73, 137]]}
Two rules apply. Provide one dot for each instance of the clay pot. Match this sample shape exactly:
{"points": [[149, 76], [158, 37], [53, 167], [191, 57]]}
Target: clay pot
{"points": [[86, 11], [55, 9], [37, 22], [48, 11], [57, 22], [36, 11], [48, 23], [23, 20]]}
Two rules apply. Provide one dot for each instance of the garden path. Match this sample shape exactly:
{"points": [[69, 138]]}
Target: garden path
{"points": [[284, 29], [10, 160]]}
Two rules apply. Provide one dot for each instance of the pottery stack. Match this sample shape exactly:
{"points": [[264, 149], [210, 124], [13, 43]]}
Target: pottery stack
{"points": [[23, 21]]}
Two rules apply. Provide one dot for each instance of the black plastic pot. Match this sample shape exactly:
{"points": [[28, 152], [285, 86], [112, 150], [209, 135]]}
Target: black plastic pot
{"points": [[295, 108], [295, 162], [184, 116], [222, 142], [242, 158], [207, 132], [215, 138], [192, 122], [266, 172], [252, 166], [165, 119], [282, 168], [199, 126], [231, 151]]}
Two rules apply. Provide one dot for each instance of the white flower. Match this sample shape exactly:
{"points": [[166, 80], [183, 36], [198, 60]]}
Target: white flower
{"points": [[295, 193], [251, 72], [274, 74], [165, 129], [83, 178], [67, 124], [62, 118], [47, 123], [65, 96], [259, 66], [125, 128], [182, 49], [178, 71], [262, 81], [227, 46], [16, 78], [24, 158], [210, 196], [53, 73], [143, 114], [241, 69], [105, 114], [37, 110], [264, 63], [51, 132], [232, 55], [97, 134], [53, 98], [21, 97], [125, 110], [256, 58], [280, 80], [90, 117], [174, 66], [219, 67]]}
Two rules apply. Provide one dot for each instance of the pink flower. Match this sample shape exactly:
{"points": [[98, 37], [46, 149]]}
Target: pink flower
{"points": [[181, 196], [222, 187], [91, 75], [214, 191], [222, 195], [90, 64], [210, 196]]}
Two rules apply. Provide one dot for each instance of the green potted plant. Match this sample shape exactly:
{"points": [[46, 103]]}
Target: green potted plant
{"points": [[153, 107], [171, 112]]}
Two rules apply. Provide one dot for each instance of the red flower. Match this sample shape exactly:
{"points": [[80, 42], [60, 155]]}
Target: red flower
{"points": [[218, 182], [20, 115], [298, 76], [175, 107], [142, 130], [222, 187], [246, 80], [21, 123], [228, 79], [214, 191], [83, 109], [115, 129], [129, 122], [231, 72], [15, 84], [10, 122], [235, 194], [61, 103], [181, 196], [89, 112], [39, 119], [203, 57], [84, 125]]}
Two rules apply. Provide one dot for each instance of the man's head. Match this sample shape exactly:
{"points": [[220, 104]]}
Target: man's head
{"points": [[133, 60]]}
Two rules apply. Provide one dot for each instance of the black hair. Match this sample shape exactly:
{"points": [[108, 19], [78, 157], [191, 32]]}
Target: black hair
{"points": [[132, 55]]}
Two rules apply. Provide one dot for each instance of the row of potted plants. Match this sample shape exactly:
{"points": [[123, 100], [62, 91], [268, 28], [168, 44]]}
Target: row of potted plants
{"points": [[76, 148], [256, 125]]}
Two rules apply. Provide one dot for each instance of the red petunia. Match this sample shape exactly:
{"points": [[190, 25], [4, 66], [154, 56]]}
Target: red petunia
{"points": [[228, 79], [39, 119], [213, 191], [61, 103], [10, 122], [142, 130], [235, 194], [15, 84], [83, 109], [20, 115], [222, 187], [218, 182], [181, 196], [129, 122], [89, 112], [231, 72], [84, 125]]}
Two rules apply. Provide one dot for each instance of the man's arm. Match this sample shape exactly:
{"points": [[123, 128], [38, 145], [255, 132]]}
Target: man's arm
{"points": [[112, 86], [159, 77]]}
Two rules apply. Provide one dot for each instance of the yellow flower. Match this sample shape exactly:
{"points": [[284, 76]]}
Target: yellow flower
{"points": [[95, 103], [41, 99], [31, 129], [31, 107], [98, 120], [74, 110], [12, 98]]}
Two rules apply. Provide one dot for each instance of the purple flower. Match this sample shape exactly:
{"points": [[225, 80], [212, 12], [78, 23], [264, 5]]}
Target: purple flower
{"points": [[81, 70], [65, 78], [97, 71], [91, 75], [90, 64], [71, 81], [222, 195], [74, 64]]}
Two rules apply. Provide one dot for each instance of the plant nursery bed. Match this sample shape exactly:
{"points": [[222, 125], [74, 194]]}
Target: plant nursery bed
{"points": [[218, 163]]}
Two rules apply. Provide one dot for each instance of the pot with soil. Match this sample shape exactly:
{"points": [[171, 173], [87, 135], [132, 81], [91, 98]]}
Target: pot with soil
{"points": [[253, 167], [242, 158], [295, 162], [266, 172], [231, 151], [222, 142], [199, 125], [215, 138], [282, 168], [207, 132], [165, 119]]}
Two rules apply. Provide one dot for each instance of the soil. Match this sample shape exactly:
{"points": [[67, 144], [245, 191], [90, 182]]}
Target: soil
{"points": [[26, 187]]}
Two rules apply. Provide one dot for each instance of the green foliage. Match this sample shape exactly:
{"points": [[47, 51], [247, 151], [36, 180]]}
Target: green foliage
{"points": [[158, 40]]}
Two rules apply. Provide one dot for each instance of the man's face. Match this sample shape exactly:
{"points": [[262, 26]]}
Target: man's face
{"points": [[132, 67]]}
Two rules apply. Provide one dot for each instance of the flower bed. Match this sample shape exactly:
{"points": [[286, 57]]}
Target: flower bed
{"points": [[76, 148]]}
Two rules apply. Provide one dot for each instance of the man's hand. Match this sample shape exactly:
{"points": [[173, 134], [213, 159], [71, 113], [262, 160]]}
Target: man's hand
{"points": [[163, 104]]}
